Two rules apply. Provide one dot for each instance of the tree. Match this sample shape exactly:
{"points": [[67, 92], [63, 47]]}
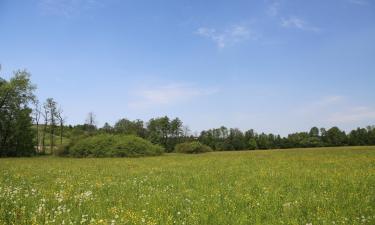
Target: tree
{"points": [[37, 114], [175, 132], [323, 135], [51, 106], [186, 131], [206, 137], [371, 135], [263, 141], [165, 132], [336, 137], [252, 144], [158, 131], [236, 139], [125, 126], [61, 119], [107, 128], [314, 132], [91, 122], [176, 128], [16, 133], [45, 114]]}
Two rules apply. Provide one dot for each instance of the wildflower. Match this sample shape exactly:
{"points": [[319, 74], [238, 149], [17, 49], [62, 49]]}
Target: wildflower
{"points": [[87, 193]]}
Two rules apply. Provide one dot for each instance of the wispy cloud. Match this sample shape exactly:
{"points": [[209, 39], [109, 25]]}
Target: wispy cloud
{"points": [[359, 2], [66, 8], [352, 115], [273, 8], [297, 23], [320, 105], [233, 35], [329, 100], [167, 95], [292, 22], [336, 110]]}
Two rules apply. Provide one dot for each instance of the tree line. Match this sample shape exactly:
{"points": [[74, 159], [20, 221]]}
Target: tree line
{"points": [[170, 132], [28, 127], [234, 139]]}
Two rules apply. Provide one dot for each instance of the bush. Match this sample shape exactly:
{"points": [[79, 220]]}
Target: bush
{"points": [[107, 145], [192, 148], [62, 150]]}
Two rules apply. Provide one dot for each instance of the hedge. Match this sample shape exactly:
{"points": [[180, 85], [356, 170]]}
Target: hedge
{"points": [[108, 145], [192, 148]]}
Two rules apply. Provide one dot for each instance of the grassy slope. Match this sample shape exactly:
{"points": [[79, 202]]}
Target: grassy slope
{"points": [[66, 140], [318, 186]]}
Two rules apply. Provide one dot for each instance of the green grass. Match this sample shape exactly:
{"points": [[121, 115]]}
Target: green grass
{"points": [[310, 186]]}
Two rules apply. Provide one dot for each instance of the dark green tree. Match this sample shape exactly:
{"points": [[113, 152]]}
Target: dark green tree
{"points": [[16, 133], [263, 141], [314, 132], [107, 128], [125, 126], [252, 144], [158, 131], [237, 139], [336, 137]]}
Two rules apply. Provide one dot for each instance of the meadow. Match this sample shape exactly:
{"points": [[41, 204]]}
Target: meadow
{"points": [[295, 186]]}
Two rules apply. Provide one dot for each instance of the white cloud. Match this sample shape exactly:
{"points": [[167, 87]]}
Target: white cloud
{"points": [[297, 23], [168, 94], [66, 8], [358, 2], [231, 36]]}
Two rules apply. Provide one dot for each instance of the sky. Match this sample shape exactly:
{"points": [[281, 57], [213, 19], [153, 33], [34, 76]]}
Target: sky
{"points": [[277, 66]]}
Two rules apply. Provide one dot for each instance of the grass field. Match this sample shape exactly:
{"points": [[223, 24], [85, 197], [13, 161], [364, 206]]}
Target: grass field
{"points": [[310, 186]]}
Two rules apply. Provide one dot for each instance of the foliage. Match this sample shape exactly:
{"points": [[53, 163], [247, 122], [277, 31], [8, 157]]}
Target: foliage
{"points": [[16, 133], [312, 186], [233, 139], [252, 144], [335, 137], [107, 145], [125, 126], [192, 147], [165, 132], [50, 107], [62, 150]]}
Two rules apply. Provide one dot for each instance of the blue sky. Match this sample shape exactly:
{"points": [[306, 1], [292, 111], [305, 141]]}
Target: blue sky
{"points": [[275, 66]]}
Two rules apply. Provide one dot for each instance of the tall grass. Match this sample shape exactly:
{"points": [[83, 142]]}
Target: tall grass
{"points": [[310, 186]]}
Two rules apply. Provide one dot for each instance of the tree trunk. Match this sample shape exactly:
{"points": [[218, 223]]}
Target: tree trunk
{"points": [[44, 138], [51, 138], [61, 133], [37, 136]]}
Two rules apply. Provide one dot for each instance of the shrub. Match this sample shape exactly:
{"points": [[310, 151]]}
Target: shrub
{"points": [[107, 145], [62, 150], [192, 148]]}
